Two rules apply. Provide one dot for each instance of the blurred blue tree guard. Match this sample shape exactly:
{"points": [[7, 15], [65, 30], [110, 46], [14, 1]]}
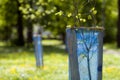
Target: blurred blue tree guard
{"points": [[38, 47], [85, 48]]}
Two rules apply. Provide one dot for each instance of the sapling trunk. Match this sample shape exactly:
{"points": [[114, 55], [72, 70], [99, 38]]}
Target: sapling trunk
{"points": [[89, 71]]}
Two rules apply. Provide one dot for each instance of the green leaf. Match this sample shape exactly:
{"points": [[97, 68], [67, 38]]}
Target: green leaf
{"points": [[69, 15], [69, 26], [59, 13], [84, 20], [79, 14], [89, 17], [32, 16], [93, 9], [77, 17], [95, 12]]}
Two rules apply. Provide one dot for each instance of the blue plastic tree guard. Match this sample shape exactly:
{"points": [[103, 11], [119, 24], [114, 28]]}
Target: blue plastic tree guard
{"points": [[38, 50], [85, 48]]}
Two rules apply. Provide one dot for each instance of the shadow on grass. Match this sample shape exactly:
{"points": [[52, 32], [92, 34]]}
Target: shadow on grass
{"points": [[11, 49], [47, 49], [58, 49]]}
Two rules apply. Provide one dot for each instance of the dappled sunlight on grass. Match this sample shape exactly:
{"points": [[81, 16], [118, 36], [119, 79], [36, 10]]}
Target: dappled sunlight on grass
{"points": [[111, 73], [111, 68], [110, 45], [51, 42], [54, 65], [19, 63], [2, 43]]}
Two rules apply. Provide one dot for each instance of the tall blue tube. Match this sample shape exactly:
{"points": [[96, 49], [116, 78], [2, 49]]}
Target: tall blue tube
{"points": [[38, 50], [85, 48]]}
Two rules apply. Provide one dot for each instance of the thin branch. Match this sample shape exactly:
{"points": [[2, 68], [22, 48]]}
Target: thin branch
{"points": [[83, 45], [74, 12], [85, 42], [93, 43]]}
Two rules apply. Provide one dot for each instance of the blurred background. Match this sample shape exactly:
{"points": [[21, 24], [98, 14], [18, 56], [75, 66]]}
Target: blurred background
{"points": [[20, 19]]}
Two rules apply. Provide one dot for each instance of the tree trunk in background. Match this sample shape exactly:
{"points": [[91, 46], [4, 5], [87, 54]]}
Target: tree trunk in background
{"points": [[7, 33], [63, 38], [118, 28], [20, 39], [29, 33], [29, 27]]}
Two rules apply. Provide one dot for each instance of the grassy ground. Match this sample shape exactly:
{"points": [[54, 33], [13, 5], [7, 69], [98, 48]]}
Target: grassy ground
{"points": [[19, 63]]}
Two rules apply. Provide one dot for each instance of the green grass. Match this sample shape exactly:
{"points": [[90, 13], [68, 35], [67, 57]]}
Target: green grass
{"points": [[19, 63], [111, 46], [111, 67]]}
